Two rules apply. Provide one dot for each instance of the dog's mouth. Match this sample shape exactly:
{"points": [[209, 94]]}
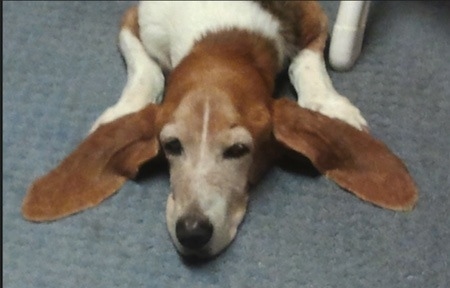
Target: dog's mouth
{"points": [[198, 258], [197, 255], [193, 250]]}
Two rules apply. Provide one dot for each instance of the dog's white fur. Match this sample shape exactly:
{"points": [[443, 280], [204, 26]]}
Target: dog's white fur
{"points": [[168, 31], [170, 40], [316, 92]]}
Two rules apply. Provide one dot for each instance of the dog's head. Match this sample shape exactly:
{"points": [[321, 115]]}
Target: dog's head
{"points": [[211, 155], [217, 139]]}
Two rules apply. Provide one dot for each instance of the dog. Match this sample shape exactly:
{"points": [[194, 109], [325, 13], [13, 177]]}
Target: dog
{"points": [[201, 81]]}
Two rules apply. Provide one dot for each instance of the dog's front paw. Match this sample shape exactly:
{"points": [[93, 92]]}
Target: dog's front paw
{"points": [[110, 114], [338, 107]]}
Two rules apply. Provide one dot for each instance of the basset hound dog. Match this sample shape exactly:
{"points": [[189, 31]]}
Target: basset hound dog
{"points": [[200, 91]]}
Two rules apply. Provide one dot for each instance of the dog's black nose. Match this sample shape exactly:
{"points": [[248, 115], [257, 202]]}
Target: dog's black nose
{"points": [[193, 232]]}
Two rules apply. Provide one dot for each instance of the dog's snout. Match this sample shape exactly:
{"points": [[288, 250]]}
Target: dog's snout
{"points": [[193, 232]]}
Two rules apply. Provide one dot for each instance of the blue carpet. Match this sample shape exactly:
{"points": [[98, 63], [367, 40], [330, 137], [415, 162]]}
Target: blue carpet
{"points": [[62, 68]]}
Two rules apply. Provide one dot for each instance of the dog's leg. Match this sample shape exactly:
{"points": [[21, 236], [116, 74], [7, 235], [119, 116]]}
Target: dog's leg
{"points": [[145, 82], [308, 73]]}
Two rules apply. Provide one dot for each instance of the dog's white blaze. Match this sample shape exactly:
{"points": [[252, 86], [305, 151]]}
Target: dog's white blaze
{"points": [[204, 135], [210, 200]]}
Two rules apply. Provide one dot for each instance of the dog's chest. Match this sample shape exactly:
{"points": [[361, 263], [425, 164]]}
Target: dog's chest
{"points": [[168, 30]]}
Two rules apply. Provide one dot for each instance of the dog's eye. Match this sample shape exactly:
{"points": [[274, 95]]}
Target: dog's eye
{"points": [[173, 147], [236, 151]]}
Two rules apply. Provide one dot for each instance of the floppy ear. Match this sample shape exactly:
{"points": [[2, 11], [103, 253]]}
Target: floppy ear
{"points": [[352, 158], [97, 168]]}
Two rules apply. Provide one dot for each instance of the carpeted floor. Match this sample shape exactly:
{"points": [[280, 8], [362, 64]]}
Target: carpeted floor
{"points": [[62, 68]]}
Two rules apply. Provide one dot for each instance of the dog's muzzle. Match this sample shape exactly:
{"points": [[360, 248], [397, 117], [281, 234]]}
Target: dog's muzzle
{"points": [[193, 231]]}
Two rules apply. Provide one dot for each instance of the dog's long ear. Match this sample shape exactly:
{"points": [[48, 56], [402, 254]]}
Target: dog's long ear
{"points": [[352, 158], [97, 168]]}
